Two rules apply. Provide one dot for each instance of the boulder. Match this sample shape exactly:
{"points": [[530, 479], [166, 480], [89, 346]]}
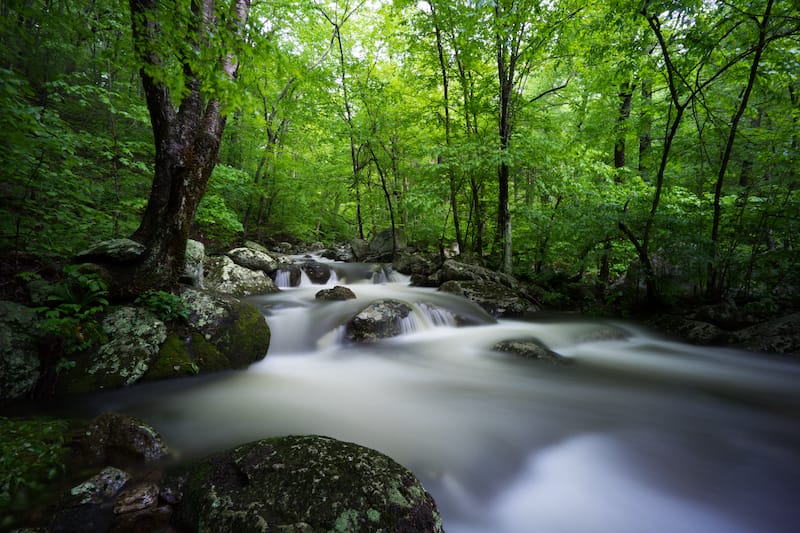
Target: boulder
{"points": [[253, 259], [223, 275], [692, 331], [337, 293], [530, 348], [414, 265], [303, 484], [780, 336], [379, 320], [317, 272], [381, 246], [114, 438], [114, 250], [89, 505], [255, 246], [288, 276], [497, 300], [339, 253], [193, 270], [456, 271], [19, 357], [360, 249], [135, 336]]}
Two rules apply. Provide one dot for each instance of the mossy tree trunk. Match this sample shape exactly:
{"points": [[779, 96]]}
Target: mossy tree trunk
{"points": [[186, 132]]}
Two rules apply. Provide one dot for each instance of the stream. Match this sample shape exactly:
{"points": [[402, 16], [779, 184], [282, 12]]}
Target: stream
{"points": [[640, 434]]}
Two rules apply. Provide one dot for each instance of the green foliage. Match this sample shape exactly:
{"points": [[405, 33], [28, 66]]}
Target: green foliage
{"points": [[165, 305], [32, 455], [74, 304], [216, 220]]}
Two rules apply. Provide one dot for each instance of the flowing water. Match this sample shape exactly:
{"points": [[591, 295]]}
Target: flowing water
{"points": [[639, 434]]}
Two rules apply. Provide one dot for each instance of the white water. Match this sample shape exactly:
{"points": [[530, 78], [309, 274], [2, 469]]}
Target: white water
{"points": [[638, 435]]}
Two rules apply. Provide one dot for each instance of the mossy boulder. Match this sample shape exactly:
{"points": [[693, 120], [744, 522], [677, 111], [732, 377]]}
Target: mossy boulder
{"points": [[235, 328], [19, 357], [135, 337], [186, 355], [115, 250], [496, 299], [253, 259], [303, 484], [225, 276]]}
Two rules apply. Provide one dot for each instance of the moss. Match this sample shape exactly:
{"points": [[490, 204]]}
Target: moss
{"points": [[248, 338], [182, 356], [32, 456]]}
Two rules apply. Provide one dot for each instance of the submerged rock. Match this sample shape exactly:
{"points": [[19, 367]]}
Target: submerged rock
{"points": [[19, 358], [303, 484], [530, 348], [379, 320]]}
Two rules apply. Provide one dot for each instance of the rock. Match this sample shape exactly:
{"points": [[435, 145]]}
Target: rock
{"points": [[498, 300], [114, 438], [150, 519], [253, 259], [379, 320], [195, 255], [455, 271], [89, 506], [360, 249], [693, 331], [136, 498], [255, 246], [530, 348], [237, 329], [135, 336], [381, 246], [317, 272], [100, 487], [223, 275], [338, 293], [339, 253], [19, 357], [780, 336], [414, 265], [303, 484], [115, 250]]}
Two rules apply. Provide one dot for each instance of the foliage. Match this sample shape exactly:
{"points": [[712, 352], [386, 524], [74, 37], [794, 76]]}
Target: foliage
{"points": [[32, 455], [165, 305], [74, 304]]}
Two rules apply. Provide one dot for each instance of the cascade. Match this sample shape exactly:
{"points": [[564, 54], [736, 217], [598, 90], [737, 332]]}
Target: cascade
{"points": [[639, 433]]}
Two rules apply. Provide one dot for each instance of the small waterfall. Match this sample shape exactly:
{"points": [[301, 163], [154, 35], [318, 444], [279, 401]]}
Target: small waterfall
{"points": [[437, 316], [283, 278], [305, 281], [334, 278]]}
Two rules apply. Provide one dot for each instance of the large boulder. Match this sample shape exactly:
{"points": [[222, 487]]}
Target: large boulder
{"points": [[496, 299], [225, 276], [19, 357], [414, 265], [303, 484], [456, 271], [135, 336], [382, 245], [360, 249], [115, 438], [253, 259], [337, 293], [379, 320]]}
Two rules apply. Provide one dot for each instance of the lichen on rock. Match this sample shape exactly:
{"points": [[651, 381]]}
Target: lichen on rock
{"points": [[303, 483]]}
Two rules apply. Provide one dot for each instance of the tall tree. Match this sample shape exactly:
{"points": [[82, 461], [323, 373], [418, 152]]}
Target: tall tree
{"points": [[187, 116]]}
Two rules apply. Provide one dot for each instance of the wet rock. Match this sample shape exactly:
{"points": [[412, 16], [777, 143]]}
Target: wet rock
{"points": [[236, 329], [193, 270], [415, 265], [317, 272], [497, 300], [89, 505], [116, 250], [253, 259], [225, 276], [382, 246], [337, 293], [360, 249], [692, 331], [304, 483], [154, 519], [114, 438], [780, 336], [19, 357], [136, 498], [456, 271], [256, 246], [379, 320], [530, 348]]}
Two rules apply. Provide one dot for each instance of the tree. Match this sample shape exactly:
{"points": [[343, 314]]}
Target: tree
{"points": [[187, 115]]}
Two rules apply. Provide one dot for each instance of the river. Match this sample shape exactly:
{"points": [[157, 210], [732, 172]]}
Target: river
{"points": [[640, 434]]}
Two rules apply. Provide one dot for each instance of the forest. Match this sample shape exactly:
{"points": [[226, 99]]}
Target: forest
{"points": [[549, 140]]}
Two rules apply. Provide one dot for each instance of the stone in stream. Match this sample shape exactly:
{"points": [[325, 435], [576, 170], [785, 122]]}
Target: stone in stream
{"points": [[337, 293], [379, 320], [302, 484]]}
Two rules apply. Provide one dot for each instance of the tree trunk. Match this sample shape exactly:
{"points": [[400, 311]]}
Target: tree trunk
{"points": [[187, 139]]}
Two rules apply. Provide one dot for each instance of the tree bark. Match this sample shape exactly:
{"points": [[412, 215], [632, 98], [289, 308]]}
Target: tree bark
{"points": [[187, 138]]}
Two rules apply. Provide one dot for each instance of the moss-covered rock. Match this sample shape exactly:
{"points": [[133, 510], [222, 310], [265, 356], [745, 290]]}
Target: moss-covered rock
{"points": [[225, 276], [118, 439], [235, 328], [303, 484], [19, 358], [184, 356]]}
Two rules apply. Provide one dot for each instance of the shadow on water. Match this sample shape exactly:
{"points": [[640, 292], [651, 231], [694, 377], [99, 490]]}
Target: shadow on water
{"points": [[639, 435]]}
